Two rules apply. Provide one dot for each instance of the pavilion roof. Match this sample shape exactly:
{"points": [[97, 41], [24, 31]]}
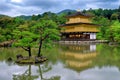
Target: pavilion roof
{"points": [[78, 14], [77, 24]]}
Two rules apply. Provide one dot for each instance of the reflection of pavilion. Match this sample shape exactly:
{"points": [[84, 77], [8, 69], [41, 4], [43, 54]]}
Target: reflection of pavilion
{"points": [[81, 48], [79, 57]]}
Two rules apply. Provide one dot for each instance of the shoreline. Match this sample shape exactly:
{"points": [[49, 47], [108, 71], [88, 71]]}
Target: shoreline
{"points": [[83, 42]]}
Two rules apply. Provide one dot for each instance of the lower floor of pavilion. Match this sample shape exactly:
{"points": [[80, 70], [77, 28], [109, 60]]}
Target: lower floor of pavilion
{"points": [[78, 36]]}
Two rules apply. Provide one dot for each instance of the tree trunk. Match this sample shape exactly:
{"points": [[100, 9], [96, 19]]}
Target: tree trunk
{"points": [[40, 46], [29, 51]]}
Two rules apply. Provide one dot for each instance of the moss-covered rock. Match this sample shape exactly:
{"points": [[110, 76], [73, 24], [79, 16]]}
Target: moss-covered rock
{"points": [[31, 60]]}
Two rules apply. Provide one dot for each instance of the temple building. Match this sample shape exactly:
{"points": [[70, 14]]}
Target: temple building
{"points": [[79, 27]]}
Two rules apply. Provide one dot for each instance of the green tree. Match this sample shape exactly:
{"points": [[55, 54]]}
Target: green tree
{"points": [[7, 25], [114, 32], [24, 37], [115, 16], [54, 17], [47, 31], [31, 33], [104, 24], [119, 9], [34, 17], [61, 19]]}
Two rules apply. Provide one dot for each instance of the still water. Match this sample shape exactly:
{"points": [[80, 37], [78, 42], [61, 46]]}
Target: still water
{"points": [[65, 62]]}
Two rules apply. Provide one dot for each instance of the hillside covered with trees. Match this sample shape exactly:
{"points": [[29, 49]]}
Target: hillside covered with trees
{"points": [[107, 19]]}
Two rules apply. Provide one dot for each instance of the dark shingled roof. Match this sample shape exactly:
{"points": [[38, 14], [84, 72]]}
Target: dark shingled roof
{"points": [[78, 13], [77, 24]]}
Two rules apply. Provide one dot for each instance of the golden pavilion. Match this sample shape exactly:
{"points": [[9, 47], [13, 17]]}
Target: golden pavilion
{"points": [[79, 27]]}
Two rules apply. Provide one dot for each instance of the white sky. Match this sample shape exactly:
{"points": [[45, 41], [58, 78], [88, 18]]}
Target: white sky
{"points": [[30, 7]]}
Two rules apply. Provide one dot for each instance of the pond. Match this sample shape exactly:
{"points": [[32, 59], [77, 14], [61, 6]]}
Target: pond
{"points": [[65, 62]]}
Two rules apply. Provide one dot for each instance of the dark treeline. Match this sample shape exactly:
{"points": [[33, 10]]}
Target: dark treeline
{"points": [[111, 14]]}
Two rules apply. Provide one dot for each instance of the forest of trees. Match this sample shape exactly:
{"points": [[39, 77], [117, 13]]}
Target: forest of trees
{"points": [[109, 22], [27, 31], [39, 31]]}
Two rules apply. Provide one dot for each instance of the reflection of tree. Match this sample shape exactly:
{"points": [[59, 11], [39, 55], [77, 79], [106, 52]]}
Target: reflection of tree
{"points": [[40, 71], [108, 56], [27, 75], [53, 78], [9, 63], [41, 76], [6, 53]]}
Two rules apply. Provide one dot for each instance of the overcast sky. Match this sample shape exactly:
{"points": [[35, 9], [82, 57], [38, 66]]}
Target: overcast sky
{"points": [[30, 7]]}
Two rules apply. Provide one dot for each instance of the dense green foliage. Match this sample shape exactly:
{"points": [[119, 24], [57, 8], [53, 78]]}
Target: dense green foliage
{"points": [[113, 32], [104, 24], [47, 31], [24, 37], [107, 13], [32, 33], [109, 22], [7, 25], [39, 30]]}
